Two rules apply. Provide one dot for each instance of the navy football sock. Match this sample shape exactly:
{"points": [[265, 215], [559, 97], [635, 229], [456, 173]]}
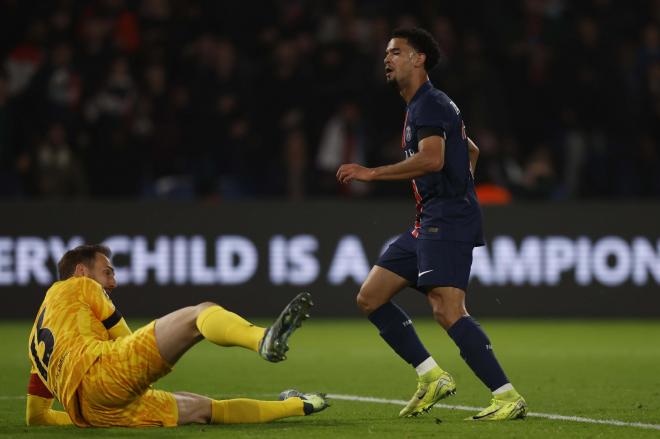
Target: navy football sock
{"points": [[477, 352], [397, 330]]}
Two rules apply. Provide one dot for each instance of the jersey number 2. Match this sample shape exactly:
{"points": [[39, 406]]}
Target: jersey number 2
{"points": [[45, 336]]}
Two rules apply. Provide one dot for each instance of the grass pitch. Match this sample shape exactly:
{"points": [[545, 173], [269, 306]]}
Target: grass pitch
{"points": [[592, 369]]}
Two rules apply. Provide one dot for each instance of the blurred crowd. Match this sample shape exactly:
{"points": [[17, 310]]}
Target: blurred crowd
{"points": [[215, 100]]}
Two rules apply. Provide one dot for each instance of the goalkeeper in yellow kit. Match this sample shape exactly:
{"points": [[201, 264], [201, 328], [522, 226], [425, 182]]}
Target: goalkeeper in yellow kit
{"points": [[84, 354]]}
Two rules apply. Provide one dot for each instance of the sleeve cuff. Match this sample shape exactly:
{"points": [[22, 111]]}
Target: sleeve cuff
{"points": [[424, 132]]}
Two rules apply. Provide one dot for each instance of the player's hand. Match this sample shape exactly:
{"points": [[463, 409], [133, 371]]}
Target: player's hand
{"points": [[352, 171]]}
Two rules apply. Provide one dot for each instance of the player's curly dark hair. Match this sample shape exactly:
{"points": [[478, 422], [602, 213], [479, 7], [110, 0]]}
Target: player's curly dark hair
{"points": [[83, 254], [423, 42]]}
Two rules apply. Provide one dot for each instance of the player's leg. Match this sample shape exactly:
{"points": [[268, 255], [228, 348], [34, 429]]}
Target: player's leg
{"points": [[180, 330], [448, 304], [449, 310], [198, 409], [396, 269], [394, 325], [380, 286], [159, 408], [433, 385], [192, 408]]}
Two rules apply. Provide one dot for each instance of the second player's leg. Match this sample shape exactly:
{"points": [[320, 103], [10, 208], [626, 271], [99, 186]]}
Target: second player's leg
{"points": [[397, 330], [379, 288], [177, 332], [394, 325], [448, 305], [193, 408], [182, 329], [199, 409], [395, 270]]}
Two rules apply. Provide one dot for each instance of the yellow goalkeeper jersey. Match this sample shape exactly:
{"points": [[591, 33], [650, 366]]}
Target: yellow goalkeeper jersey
{"points": [[69, 333]]}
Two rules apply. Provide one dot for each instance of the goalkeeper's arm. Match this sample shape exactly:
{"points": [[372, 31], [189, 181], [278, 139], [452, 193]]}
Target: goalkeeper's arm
{"points": [[38, 410], [119, 329]]}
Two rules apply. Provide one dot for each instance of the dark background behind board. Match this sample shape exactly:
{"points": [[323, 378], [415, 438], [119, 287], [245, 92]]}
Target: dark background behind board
{"points": [[372, 223]]}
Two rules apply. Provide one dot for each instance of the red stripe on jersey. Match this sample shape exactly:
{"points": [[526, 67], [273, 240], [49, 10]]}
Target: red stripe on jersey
{"points": [[37, 387], [418, 197], [403, 133], [419, 207]]}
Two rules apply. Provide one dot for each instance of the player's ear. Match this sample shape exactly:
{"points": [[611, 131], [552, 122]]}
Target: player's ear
{"points": [[421, 59], [81, 270]]}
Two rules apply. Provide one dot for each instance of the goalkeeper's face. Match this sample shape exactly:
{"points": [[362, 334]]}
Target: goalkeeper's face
{"points": [[103, 272]]}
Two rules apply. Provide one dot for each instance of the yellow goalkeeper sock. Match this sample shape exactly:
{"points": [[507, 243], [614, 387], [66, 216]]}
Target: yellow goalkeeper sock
{"points": [[252, 411], [225, 328]]}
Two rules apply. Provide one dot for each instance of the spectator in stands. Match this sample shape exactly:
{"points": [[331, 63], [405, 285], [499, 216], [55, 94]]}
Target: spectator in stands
{"points": [[172, 86]]}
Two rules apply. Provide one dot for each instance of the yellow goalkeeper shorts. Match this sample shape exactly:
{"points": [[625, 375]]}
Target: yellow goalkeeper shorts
{"points": [[116, 391]]}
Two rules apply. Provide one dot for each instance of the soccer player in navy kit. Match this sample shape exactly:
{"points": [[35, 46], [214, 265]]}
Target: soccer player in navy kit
{"points": [[435, 255]]}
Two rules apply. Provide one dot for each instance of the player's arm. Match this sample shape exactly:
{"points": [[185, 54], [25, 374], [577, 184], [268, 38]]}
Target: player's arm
{"points": [[38, 410], [429, 158], [116, 325], [103, 309], [473, 154]]}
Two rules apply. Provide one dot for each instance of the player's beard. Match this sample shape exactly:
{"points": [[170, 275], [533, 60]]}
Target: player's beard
{"points": [[392, 82]]}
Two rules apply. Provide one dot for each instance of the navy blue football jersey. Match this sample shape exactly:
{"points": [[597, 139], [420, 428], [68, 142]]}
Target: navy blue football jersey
{"points": [[447, 205]]}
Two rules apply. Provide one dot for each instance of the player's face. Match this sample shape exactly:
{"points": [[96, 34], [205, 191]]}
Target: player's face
{"points": [[103, 272], [399, 61]]}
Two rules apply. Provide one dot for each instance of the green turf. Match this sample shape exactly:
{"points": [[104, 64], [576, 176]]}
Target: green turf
{"points": [[594, 369]]}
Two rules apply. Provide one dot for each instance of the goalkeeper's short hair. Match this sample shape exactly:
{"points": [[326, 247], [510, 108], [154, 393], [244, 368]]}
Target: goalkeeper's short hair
{"points": [[83, 254]]}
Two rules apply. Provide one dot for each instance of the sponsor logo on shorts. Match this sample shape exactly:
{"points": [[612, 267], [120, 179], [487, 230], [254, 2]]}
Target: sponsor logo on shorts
{"points": [[424, 272]]}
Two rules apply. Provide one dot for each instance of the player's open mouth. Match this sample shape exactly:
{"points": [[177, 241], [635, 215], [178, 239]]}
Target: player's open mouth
{"points": [[388, 71]]}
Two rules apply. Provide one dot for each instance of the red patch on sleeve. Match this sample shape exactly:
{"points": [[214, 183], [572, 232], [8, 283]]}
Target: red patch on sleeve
{"points": [[37, 387]]}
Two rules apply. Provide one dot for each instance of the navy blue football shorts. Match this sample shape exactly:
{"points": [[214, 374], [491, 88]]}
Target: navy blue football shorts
{"points": [[429, 263]]}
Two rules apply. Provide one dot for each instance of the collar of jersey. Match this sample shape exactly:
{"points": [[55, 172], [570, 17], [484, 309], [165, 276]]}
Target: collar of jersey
{"points": [[420, 91]]}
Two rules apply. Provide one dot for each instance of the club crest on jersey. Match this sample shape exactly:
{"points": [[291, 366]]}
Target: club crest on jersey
{"points": [[408, 133]]}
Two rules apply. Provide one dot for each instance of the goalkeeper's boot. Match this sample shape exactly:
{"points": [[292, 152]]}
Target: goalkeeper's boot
{"points": [[273, 345], [503, 406], [433, 386], [312, 402]]}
